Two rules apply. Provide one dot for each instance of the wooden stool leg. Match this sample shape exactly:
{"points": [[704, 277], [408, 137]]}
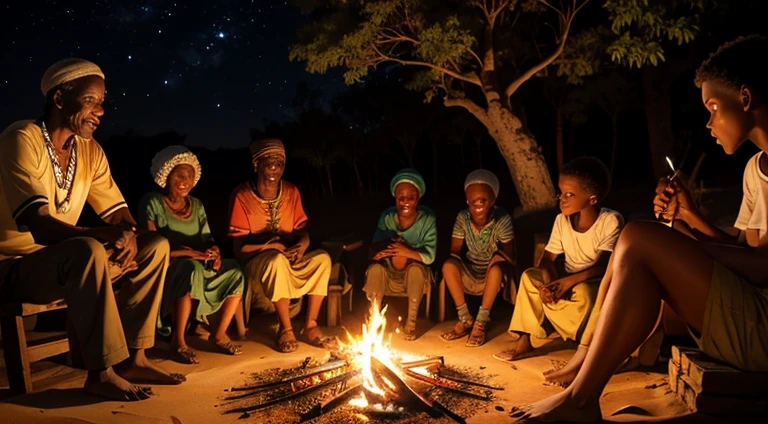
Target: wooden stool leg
{"points": [[441, 302], [429, 298], [16, 355]]}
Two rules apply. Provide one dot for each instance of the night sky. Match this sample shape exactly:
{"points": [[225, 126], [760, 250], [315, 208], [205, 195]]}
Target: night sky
{"points": [[210, 70]]}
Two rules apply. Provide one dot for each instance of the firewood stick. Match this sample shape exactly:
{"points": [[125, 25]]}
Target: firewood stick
{"points": [[423, 362], [310, 389], [330, 366], [402, 390], [468, 382], [443, 385]]}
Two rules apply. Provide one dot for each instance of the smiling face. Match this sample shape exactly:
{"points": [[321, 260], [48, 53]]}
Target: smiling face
{"points": [[729, 120], [82, 107], [573, 196], [181, 180], [480, 200], [270, 168], [406, 199]]}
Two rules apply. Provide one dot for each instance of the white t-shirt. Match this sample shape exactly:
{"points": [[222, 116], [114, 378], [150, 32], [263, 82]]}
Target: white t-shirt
{"points": [[583, 249], [753, 214]]}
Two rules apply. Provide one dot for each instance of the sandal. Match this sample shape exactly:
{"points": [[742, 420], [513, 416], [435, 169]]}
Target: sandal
{"points": [[227, 348], [477, 336], [461, 329], [185, 355], [509, 356], [317, 341], [409, 331], [287, 346]]}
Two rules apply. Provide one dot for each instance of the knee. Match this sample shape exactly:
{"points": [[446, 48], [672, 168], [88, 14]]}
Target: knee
{"points": [[87, 250], [155, 244], [450, 266], [417, 272], [633, 236], [324, 258]]}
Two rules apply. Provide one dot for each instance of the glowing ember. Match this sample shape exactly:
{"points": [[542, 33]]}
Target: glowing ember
{"points": [[372, 342]]}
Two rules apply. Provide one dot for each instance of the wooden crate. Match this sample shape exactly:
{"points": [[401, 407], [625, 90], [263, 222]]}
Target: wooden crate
{"points": [[711, 387]]}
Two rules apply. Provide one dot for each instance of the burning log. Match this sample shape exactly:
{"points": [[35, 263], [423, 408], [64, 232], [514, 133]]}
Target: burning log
{"points": [[331, 381], [402, 391], [310, 372], [436, 360], [444, 384]]}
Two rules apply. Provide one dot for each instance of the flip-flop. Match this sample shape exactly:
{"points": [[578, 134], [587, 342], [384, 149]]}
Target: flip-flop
{"points": [[286, 346], [464, 329], [227, 348], [408, 332], [477, 335], [185, 355]]}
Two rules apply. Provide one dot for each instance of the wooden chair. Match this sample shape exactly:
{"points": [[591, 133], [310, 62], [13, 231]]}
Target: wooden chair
{"points": [[20, 352], [338, 284]]}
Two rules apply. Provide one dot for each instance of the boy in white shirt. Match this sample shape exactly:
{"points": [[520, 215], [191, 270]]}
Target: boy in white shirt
{"points": [[585, 234]]}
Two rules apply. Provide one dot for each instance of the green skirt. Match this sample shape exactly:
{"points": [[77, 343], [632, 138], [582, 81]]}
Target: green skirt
{"points": [[209, 288]]}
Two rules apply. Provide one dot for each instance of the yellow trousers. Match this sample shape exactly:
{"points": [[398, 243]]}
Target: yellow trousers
{"points": [[567, 316], [106, 324]]}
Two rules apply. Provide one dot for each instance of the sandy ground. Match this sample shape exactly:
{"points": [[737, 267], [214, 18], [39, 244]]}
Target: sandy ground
{"points": [[631, 396]]}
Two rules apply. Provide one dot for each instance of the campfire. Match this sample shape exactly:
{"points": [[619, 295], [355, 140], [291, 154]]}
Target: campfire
{"points": [[369, 376]]}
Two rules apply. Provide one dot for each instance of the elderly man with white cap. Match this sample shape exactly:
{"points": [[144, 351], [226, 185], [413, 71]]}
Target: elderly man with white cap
{"points": [[49, 169]]}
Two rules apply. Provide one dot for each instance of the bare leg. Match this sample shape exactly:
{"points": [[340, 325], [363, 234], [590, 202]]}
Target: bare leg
{"points": [[311, 329], [283, 313], [652, 262], [242, 330], [228, 310], [182, 307], [452, 277], [492, 283]]}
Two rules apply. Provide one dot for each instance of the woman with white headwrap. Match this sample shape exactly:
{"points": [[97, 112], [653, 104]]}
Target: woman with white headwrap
{"points": [[481, 251], [197, 273]]}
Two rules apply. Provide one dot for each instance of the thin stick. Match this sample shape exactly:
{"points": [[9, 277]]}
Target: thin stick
{"points": [[423, 362], [443, 385], [310, 389], [330, 366], [468, 382]]}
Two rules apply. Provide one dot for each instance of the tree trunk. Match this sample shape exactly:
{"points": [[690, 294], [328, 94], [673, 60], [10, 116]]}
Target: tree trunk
{"points": [[559, 139], [524, 159]]}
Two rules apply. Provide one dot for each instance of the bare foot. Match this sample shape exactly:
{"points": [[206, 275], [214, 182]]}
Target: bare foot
{"points": [[565, 375], [110, 385], [558, 408], [518, 348], [139, 369]]}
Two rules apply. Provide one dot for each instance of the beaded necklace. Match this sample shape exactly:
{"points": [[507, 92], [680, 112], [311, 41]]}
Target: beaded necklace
{"points": [[62, 182]]}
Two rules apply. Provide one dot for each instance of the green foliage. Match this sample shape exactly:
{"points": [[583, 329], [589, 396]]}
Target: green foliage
{"points": [[360, 35], [642, 25]]}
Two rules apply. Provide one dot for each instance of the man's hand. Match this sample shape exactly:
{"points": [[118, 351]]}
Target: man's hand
{"points": [[555, 290], [128, 248], [546, 294]]}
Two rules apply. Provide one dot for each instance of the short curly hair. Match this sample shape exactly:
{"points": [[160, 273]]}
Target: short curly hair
{"points": [[592, 174], [734, 64]]}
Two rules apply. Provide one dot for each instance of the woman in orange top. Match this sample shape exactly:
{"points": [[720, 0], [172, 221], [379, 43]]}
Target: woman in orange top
{"points": [[269, 227]]}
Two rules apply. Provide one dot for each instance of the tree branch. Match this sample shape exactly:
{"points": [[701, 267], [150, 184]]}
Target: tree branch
{"points": [[565, 22], [470, 106], [471, 78]]}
